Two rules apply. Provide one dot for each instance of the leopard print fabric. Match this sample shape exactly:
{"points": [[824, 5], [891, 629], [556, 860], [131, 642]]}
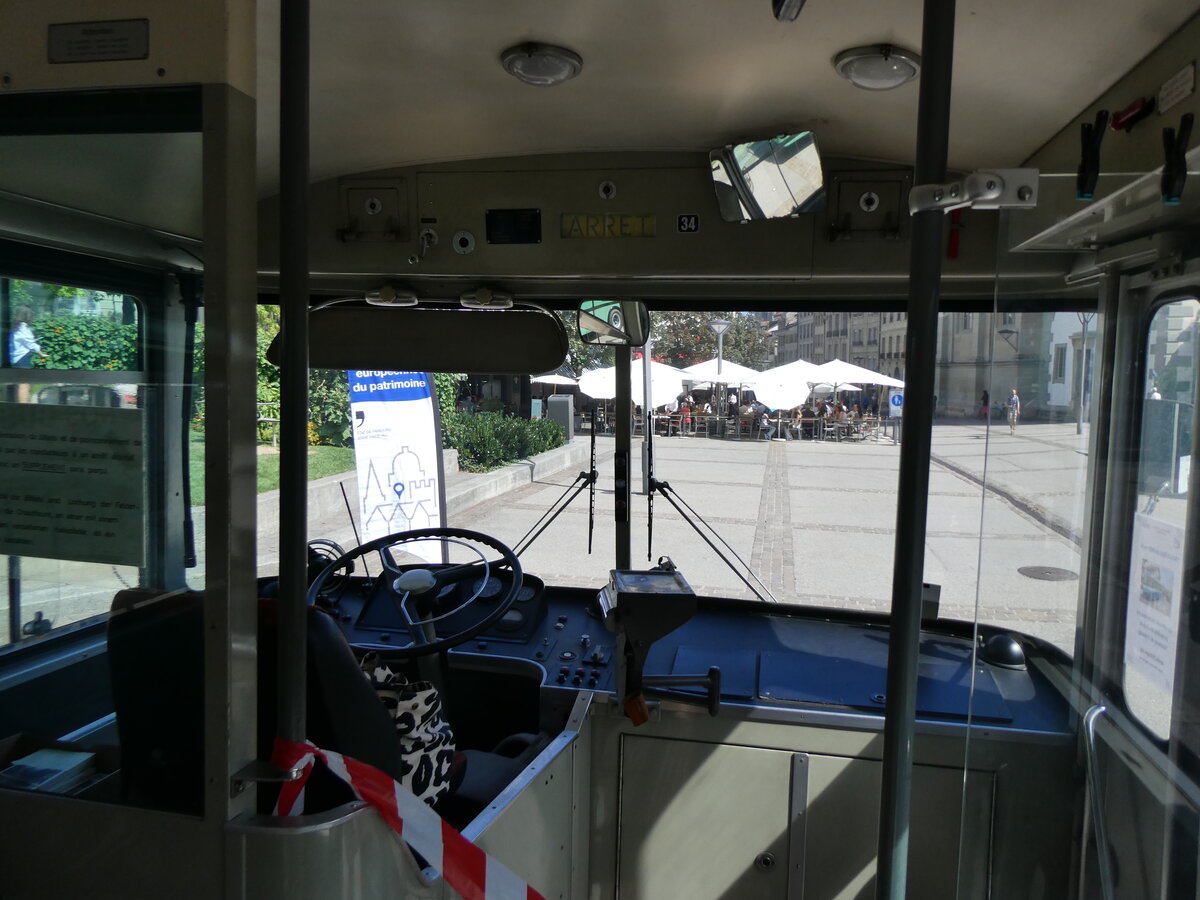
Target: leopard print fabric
{"points": [[426, 740]]}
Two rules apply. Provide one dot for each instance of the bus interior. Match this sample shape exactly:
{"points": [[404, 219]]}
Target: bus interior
{"points": [[951, 655]]}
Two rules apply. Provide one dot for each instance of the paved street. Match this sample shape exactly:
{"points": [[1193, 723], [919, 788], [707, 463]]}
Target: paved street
{"points": [[817, 520]]}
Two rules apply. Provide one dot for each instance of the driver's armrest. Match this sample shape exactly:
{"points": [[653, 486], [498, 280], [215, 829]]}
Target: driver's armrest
{"points": [[487, 774], [516, 745]]}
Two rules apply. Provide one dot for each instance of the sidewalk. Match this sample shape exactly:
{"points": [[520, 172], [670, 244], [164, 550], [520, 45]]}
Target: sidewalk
{"points": [[1041, 468]]}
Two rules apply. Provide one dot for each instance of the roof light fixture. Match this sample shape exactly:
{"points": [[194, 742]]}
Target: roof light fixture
{"points": [[541, 64], [879, 67]]}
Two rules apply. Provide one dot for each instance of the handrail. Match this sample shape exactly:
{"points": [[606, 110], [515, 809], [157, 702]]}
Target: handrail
{"points": [[1103, 851]]}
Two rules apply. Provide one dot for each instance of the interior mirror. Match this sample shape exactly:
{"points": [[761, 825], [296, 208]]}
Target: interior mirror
{"points": [[768, 179], [624, 323]]}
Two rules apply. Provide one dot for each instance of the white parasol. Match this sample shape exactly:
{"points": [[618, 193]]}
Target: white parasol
{"points": [[553, 378], [838, 371], [731, 372], [666, 383]]}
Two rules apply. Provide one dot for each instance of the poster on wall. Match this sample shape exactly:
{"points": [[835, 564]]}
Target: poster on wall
{"points": [[72, 483], [397, 454], [1153, 607]]}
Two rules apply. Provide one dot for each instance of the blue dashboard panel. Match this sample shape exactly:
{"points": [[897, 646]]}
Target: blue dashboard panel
{"points": [[771, 655], [944, 687], [739, 669]]}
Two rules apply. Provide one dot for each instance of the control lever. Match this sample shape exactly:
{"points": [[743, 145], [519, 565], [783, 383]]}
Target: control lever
{"points": [[657, 686]]}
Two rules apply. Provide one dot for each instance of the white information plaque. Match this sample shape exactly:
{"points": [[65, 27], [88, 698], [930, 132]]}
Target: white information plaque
{"points": [[1152, 609], [71, 483]]}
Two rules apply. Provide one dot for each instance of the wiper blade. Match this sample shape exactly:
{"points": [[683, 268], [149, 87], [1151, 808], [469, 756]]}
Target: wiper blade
{"points": [[680, 504]]}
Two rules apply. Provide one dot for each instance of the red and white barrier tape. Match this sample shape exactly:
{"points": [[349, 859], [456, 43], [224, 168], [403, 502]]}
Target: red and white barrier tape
{"points": [[466, 868]]}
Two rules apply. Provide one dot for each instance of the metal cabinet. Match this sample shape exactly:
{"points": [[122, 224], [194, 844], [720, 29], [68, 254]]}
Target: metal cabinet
{"points": [[702, 820]]}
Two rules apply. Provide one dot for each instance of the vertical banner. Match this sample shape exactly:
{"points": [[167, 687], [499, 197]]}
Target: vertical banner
{"points": [[397, 454]]}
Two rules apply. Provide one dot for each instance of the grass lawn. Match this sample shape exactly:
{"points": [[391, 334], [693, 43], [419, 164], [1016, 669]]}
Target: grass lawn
{"points": [[322, 461]]}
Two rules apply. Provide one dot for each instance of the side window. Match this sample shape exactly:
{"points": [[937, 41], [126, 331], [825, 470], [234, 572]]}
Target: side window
{"points": [[1060, 363], [59, 327], [72, 454], [1153, 605]]}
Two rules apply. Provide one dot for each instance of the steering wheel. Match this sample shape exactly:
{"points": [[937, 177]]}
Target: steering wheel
{"points": [[415, 588]]}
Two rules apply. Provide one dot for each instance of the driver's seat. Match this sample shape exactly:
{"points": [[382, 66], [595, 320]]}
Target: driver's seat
{"points": [[156, 661]]}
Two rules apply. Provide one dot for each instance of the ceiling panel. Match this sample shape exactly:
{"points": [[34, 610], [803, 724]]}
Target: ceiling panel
{"points": [[400, 82]]}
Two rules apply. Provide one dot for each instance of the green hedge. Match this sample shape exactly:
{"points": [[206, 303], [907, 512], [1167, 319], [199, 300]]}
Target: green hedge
{"points": [[486, 441], [85, 342]]}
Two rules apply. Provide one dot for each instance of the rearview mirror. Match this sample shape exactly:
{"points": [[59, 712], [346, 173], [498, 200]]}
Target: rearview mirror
{"points": [[623, 323], [768, 179]]}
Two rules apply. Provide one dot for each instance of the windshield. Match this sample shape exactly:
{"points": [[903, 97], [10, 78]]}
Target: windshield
{"points": [[777, 479]]}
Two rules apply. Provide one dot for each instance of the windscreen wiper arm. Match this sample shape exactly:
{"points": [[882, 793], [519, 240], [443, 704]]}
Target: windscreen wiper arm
{"points": [[582, 480], [679, 503]]}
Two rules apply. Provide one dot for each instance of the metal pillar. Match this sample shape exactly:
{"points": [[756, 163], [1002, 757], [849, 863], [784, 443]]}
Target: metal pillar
{"points": [[647, 419], [933, 121], [621, 459], [293, 412], [1084, 371]]}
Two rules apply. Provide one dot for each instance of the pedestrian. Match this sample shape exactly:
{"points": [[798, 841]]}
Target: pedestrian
{"points": [[1155, 394], [1013, 405], [23, 347], [765, 426], [22, 344], [984, 407]]}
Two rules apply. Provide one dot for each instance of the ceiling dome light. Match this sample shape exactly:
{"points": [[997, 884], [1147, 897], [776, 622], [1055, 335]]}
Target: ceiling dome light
{"points": [[878, 68], [541, 64]]}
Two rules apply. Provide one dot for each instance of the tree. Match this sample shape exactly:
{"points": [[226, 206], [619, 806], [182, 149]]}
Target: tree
{"points": [[683, 338], [581, 356]]}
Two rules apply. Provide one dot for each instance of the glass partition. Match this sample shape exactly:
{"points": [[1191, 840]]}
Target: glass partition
{"points": [[101, 492], [1014, 457], [1010, 454]]}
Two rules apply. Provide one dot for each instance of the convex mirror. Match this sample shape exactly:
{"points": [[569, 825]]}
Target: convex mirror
{"points": [[768, 179], [622, 323]]}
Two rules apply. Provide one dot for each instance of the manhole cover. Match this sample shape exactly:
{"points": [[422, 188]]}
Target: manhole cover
{"points": [[1048, 573]]}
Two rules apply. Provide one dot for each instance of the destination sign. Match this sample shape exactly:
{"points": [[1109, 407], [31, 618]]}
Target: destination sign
{"points": [[611, 225]]}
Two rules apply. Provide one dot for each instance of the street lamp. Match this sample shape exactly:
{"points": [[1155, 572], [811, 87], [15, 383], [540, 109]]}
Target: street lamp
{"points": [[719, 327], [1008, 334]]}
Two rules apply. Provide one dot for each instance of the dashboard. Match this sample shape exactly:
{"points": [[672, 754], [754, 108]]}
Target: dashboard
{"points": [[779, 656]]}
